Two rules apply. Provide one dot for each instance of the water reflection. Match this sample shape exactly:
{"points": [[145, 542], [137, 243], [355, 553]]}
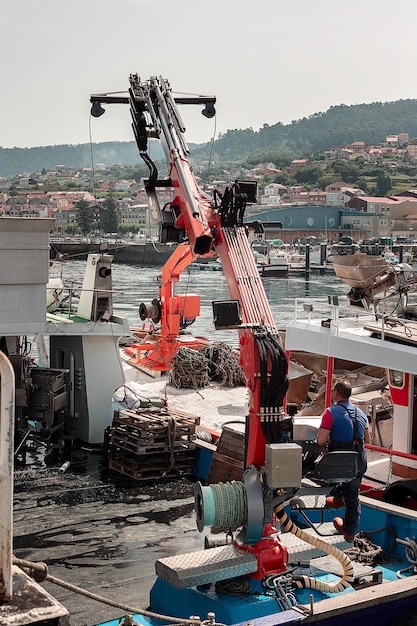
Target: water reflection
{"points": [[135, 284]]}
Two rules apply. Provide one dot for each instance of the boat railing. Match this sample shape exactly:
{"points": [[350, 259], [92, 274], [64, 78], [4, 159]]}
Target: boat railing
{"points": [[70, 297], [328, 311], [388, 320]]}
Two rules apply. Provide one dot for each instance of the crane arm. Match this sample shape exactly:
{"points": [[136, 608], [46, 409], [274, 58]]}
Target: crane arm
{"points": [[212, 224]]}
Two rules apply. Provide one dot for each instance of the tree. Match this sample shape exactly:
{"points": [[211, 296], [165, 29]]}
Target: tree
{"points": [[383, 183], [84, 216], [109, 219], [348, 171], [308, 174]]}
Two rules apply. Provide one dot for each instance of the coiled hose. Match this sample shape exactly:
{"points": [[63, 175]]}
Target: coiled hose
{"points": [[306, 582]]}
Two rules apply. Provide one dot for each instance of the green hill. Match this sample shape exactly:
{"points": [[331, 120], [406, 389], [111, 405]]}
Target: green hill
{"points": [[340, 125], [15, 161]]}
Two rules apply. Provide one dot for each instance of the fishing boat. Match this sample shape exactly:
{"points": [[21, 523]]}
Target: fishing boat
{"points": [[395, 257], [85, 330], [300, 570], [374, 325], [296, 260], [273, 522], [270, 261], [262, 561]]}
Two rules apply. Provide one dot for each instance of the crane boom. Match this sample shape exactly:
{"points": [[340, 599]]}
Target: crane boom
{"points": [[213, 224]]}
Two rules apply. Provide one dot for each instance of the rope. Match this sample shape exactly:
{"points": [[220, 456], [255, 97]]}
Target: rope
{"points": [[223, 365], [307, 582], [234, 587], [189, 370], [225, 506], [40, 570], [230, 505], [193, 369], [366, 552], [172, 430]]}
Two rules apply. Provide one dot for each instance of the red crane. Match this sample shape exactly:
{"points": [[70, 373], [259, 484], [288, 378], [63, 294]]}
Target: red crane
{"points": [[211, 224]]}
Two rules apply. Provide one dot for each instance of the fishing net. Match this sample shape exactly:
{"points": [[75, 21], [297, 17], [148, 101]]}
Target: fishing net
{"points": [[192, 369], [189, 370], [366, 552], [224, 366]]}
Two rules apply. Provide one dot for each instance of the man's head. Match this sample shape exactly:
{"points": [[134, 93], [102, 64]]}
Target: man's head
{"points": [[342, 390]]}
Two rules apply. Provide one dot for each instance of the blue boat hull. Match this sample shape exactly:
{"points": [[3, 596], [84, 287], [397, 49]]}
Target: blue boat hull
{"points": [[252, 602]]}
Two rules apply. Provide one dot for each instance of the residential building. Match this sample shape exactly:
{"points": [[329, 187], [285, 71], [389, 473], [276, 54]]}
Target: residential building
{"points": [[272, 194], [134, 214]]}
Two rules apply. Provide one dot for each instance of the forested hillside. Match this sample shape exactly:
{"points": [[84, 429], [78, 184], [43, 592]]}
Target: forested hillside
{"points": [[338, 126], [15, 161]]}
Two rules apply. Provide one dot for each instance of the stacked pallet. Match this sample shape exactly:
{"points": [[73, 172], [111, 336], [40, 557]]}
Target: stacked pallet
{"points": [[229, 457], [151, 443]]}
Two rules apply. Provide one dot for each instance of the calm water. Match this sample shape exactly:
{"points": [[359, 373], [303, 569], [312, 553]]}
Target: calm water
{"points": [[136, 284]]}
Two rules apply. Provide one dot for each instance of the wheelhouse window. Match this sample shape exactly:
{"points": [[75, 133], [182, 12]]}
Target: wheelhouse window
{"points": [[396, 379]]}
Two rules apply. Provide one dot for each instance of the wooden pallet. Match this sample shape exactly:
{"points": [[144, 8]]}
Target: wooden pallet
{"points": [[150, 471], [157, 420], [142, 447], [146, 443], [228, 459]]}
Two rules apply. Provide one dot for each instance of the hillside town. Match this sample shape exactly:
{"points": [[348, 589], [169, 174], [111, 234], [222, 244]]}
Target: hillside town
{"points": [[292, 212]]}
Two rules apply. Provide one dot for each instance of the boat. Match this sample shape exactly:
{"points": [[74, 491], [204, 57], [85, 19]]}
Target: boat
{"points": [[209, 266], [373, 325], [394, 257], [146, 252], [269, 524], [85, 329], [232, 583], [270, 261], [296, 260]]}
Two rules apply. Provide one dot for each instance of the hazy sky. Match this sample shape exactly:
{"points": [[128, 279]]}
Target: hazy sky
{"points": [[266, 61]]}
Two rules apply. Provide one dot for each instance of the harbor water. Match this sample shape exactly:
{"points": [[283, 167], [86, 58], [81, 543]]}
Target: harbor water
{"points": [[103, 532], [134, 284]]}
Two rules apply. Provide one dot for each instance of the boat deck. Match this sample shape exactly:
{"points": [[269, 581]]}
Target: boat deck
{"points": [[352, 334], [105, 534]]}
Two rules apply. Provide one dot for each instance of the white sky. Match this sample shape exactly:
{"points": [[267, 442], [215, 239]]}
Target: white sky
{"points": [[266, 61]]}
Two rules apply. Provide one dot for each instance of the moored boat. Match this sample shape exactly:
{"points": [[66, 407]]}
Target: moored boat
{"points": [[271, 262], [256, 574], [269, 519], [374, 325]]}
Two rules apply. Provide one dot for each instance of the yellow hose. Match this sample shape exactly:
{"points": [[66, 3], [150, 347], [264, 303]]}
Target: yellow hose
{"points": [[313, 583]]}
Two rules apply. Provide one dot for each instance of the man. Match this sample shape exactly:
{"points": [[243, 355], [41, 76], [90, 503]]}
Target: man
{"points": [[345, 427]]}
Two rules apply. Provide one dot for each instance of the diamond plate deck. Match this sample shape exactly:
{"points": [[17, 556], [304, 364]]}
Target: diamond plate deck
{"points": [[205, 566], [208, 566], [299, 550], [310, 501]]}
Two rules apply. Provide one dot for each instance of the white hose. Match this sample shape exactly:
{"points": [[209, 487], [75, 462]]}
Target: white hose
{"points": [[313, 583]]}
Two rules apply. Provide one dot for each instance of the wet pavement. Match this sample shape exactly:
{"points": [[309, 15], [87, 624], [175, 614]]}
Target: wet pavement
{"points": [[100, 531]]}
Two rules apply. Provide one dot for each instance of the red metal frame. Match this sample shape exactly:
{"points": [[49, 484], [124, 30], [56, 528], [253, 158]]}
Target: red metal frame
{"points": [[198, 214]]}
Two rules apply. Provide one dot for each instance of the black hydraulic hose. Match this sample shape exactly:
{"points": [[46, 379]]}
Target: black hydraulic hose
{"points": [[272, 390], [263, 374], [153, 171], [269, 392], [278, 381]]}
